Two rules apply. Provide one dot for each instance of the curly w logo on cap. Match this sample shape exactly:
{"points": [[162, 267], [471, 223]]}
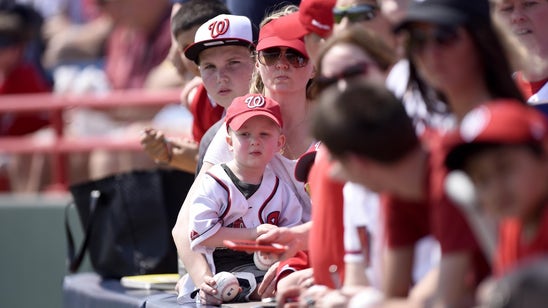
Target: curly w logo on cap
{"points": [[219, 27], [245, 107]]}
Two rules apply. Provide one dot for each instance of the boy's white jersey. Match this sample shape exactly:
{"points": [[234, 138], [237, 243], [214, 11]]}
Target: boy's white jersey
{"points": [[219, 203]]}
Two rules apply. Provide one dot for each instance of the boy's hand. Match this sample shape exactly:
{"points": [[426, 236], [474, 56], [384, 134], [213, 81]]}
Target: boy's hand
{"points": [[264, 228], [189, 90], [208, 290], [155, 145]]}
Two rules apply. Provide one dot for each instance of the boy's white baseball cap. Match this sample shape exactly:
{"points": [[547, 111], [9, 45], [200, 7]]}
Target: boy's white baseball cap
{"points": [[220, 31]]}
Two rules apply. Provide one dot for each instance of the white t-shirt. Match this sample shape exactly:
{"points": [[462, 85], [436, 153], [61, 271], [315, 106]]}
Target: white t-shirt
{"points": [[218, 152], [362, 209]]}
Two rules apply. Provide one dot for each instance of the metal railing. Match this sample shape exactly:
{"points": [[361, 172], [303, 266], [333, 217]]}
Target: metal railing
{"points": [[59, 146]]}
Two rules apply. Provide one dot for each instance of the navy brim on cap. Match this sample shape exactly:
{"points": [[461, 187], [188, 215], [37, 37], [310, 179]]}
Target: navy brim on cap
{"points": [[192, 51], [305, 162], [432, 14]]}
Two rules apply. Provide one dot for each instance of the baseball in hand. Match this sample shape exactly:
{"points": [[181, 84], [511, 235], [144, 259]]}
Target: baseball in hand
{"points": [[227, 286], [262, 262]]}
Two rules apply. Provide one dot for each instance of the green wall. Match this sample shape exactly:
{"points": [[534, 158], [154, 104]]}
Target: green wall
{"points": [[33, 250]]}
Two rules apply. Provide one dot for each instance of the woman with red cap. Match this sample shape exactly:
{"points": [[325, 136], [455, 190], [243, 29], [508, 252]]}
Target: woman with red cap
{"points": [[283, 71]]}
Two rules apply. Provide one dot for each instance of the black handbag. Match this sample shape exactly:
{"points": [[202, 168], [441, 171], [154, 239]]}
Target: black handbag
{"points": [[127, 220]]}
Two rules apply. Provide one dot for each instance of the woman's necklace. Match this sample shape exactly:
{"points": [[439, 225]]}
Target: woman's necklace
{"points": [[287, 150]]}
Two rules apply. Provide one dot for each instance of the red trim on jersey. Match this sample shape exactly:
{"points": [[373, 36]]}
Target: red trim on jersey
{"points": [[229, 201], [268, 200]]}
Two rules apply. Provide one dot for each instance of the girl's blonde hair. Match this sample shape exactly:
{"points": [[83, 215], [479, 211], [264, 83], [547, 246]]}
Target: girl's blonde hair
{"points": [[257, 85]]}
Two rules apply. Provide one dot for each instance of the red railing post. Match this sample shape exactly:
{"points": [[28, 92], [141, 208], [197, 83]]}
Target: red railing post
{"points": [[59, 162]]}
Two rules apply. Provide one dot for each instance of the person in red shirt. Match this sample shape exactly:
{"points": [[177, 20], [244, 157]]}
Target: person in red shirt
{"points": [[206, 110], [503, 147], [389, 158], [18, 77]]}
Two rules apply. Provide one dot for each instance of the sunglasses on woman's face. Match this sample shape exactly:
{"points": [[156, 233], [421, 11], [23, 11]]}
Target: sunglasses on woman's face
{"points": [[359, 69], [441, 35], [271, 56], [362, 12]]}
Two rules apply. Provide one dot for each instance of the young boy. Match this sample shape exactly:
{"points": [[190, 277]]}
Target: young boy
{"points": [[184, 25], [243, 199], [373, 142], [503, 147], [17, 76], [229, 52]]}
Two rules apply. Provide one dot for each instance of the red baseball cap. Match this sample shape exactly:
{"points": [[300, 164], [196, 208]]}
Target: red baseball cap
{"points": [[245, 107], [498, 122], [314, 16], [269, 37]]}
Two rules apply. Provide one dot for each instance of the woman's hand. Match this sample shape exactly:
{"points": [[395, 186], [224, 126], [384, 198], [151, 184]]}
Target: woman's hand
{"points": [[284, 236]]}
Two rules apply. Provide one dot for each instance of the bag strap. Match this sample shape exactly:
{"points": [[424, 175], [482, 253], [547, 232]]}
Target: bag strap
{"points": [[75, 260]]}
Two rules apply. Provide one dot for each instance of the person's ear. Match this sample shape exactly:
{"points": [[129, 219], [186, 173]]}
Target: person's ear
{"points": [[229, 141], [281, 142]]}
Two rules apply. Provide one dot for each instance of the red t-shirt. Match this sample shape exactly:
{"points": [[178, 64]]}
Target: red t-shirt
{"points": [[131, 55], [24, 78], [407, 222], [326, 239], [512, 251], [204, 113]]}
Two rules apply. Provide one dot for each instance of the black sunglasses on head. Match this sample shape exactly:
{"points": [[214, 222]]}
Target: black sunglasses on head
{"points": [[357, 13], [441, 35], [271, 56]]}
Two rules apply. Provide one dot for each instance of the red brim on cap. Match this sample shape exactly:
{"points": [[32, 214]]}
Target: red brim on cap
{"points": [[238, 121], [275, 41]]}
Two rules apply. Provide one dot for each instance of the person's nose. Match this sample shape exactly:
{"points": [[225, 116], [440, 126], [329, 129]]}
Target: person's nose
{"points": [[517, 15], [282, 62], [222, 75], [255, 140]]}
